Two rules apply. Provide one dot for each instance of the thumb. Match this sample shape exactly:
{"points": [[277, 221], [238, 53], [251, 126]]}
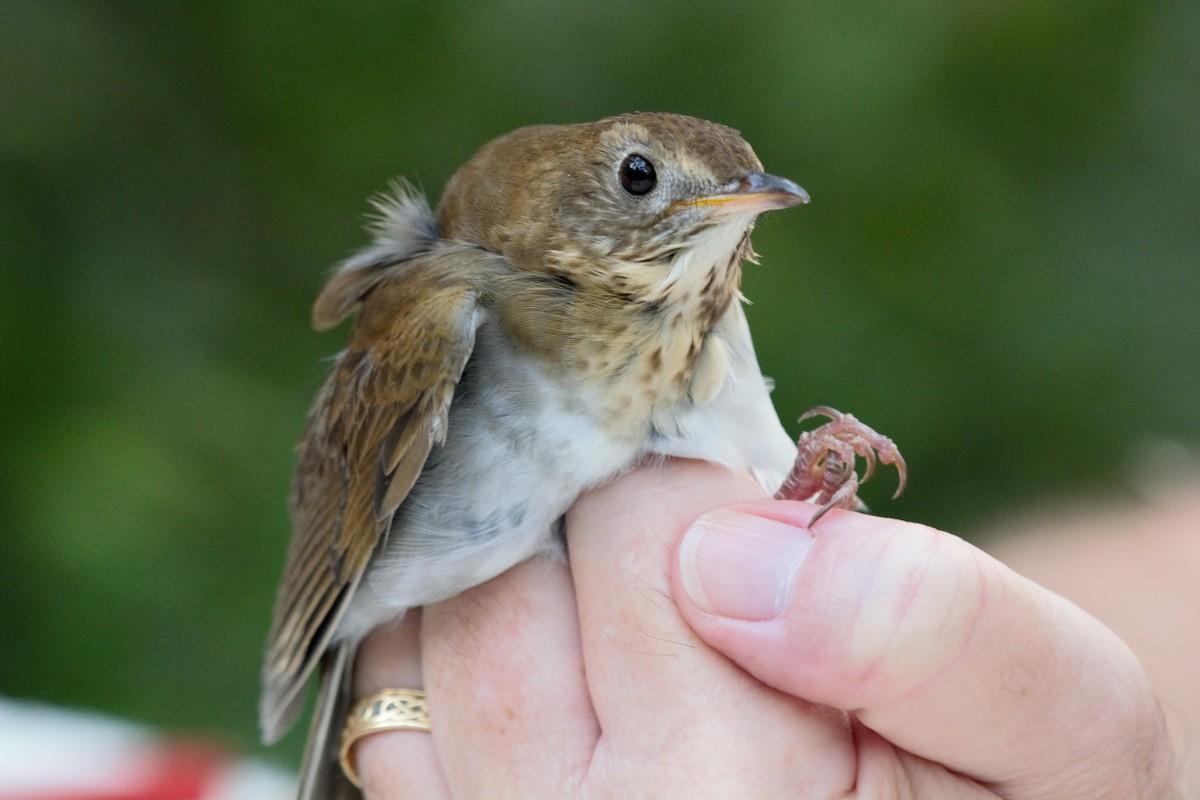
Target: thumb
{"points": [[933, 644]]}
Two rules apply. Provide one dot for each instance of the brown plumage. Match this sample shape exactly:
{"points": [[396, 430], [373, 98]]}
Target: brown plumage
{"points": [[369, 433], [572, 310]]}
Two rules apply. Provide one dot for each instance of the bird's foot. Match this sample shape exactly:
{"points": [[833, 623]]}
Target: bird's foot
{"points": [[824, 470]]}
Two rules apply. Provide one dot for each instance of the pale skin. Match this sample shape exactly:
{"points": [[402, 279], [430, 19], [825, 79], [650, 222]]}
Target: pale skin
{"points": [[668, 663]]}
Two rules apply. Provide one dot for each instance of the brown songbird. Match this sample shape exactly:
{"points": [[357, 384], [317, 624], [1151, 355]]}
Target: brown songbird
{"points": [[572, 310]]}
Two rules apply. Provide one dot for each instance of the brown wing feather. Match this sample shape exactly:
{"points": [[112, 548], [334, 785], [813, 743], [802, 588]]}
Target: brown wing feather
{"points": [[371, 428]]}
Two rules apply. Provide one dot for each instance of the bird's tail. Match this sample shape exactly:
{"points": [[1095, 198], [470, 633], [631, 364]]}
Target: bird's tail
{"points": [[321, 776]]}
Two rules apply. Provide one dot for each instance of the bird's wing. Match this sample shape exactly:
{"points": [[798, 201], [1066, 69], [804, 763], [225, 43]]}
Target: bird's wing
{"points": [[382, 409]]}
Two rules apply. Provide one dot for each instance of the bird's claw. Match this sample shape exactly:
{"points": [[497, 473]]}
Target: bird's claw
{"points": [[824, 471]]}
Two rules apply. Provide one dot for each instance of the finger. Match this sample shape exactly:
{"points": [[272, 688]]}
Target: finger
{"points": [[395, 764], [936, 646], [505, 681], [656, 688]]}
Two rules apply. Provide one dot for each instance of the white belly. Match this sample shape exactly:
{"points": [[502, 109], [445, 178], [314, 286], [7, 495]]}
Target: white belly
{"points": [[520, 449]]}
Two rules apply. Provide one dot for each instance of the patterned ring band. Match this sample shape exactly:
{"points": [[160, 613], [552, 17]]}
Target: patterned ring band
{"points": [[385, 710]]}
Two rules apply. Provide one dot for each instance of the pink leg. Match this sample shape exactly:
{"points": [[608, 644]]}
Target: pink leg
{"points": [[824, 469]]}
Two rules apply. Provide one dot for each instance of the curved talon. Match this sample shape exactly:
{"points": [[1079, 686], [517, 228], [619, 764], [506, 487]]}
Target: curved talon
{"points": [[844, 497], [820, 513], [901, 469], [824, 471], [821, 411], [868, 456]]}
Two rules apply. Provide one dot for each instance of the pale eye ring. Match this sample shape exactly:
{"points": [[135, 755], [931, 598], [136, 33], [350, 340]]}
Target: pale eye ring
{"points": [[637, 174]]}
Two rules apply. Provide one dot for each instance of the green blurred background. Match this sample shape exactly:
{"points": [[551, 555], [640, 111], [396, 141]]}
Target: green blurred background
{"points": [[999, 268]]}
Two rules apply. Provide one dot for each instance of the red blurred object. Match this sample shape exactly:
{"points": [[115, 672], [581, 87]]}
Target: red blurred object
{"points": [[48, 753]]}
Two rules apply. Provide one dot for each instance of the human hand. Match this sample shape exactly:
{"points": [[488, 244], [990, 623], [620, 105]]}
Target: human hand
{"points": [[590, 681]]}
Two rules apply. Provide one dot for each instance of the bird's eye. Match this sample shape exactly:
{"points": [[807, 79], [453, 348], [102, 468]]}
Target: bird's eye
{"points": [[637, 175]]}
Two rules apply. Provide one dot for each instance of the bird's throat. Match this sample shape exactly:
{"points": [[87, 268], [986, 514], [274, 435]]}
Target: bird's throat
{"points": [[659, 353]]}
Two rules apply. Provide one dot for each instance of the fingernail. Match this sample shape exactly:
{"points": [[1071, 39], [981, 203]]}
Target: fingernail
{"points": [[741, 566]]}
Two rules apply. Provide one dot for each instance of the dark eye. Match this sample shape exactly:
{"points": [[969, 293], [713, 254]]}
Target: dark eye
{"points": [[637, 174]]}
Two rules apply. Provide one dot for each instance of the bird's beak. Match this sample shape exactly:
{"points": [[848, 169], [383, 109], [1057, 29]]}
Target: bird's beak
{"points": [[754, 194]]}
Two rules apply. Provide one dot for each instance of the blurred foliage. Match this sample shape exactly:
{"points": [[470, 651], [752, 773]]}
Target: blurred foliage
{"points": [[1000, 267]]}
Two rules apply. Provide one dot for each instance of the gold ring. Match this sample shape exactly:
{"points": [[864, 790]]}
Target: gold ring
{"points": [[385, 710]]}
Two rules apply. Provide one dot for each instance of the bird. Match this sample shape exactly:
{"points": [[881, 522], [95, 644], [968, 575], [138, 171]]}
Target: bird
{"points": [[571, 310]]}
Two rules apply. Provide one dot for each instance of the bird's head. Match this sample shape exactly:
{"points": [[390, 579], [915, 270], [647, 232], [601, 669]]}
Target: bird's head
{"points": [[645, 204]]}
